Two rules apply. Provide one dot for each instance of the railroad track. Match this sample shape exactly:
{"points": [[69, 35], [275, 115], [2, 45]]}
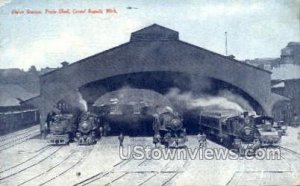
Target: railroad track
{"points": [[162, 172], [15, 171], [289, 160], [18, 133], [290, 151], [48, 170], [117, 175], [155, 174], [100, 175], [13, 138], [238, 177], [77, 162], [18, 140], [39, 152], [53, 171]]}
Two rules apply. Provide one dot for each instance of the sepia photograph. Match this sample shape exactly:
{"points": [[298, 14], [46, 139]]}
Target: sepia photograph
{"points": [[149, 92]]}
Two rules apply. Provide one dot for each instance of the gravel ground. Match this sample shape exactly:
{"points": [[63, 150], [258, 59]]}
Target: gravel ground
{"points": [[33, 162]]}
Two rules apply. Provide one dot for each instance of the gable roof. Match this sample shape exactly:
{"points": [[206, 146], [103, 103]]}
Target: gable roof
{"points": [[154, 32], [10, 95], [152, 41]]}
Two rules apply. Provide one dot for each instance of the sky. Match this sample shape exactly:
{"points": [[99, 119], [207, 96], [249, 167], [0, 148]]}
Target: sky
{"points": [[256, 29]]}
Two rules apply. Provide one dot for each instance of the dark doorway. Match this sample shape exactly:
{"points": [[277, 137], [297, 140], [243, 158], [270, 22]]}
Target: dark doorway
{"points": [[131, 125], [191, 121]]}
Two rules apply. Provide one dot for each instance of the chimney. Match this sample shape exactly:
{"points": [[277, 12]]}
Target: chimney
{"points": [[64, 64]]}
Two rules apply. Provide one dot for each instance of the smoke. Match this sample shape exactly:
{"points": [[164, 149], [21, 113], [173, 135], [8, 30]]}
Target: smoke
{"points": [[76, 101], [224, 100], [237, 99], [133, 96], [82, 103]]}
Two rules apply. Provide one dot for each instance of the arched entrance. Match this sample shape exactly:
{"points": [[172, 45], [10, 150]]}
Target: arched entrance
{"points": [[154, 49]]}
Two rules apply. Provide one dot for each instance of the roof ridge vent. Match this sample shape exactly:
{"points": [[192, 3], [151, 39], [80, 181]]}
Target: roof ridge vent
{"points": [[154, 33]]}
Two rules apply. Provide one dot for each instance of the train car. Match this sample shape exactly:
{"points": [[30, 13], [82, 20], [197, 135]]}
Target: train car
{"points": [[14, 118], [88, 129], [61, 128], [268, 131], [169, 131]]}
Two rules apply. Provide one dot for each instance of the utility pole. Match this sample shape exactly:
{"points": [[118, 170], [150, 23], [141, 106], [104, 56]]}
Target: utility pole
{"points": [[226, 50], [299, 17]]}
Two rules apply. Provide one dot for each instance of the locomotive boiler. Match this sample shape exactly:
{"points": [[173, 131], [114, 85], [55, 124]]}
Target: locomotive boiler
{"points": [[61, 128], [88, 129], [168, 129]]}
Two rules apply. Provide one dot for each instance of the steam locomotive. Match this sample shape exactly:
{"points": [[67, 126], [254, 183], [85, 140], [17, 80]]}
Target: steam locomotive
{"points": [[61, 128], [168, 129], [280, 126], [243, 133], [88, 129], [268, 131]]}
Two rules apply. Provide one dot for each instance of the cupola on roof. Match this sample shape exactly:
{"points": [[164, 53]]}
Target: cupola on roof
{"points": [[154, 33]]}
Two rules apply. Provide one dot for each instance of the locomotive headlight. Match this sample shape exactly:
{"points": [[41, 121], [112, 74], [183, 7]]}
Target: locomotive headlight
{"points": [[84, 125], [176, 124], [247, 131]]}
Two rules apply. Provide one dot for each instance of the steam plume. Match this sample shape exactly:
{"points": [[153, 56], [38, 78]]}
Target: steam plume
{"points": [[82, 103], [75, 100], [224, 100]]}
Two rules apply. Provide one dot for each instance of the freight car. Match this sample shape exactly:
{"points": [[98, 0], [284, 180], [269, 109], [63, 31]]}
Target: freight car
{"points": [[61, 129], [240, 132], [88, 129], [13, 118], [168, 129]]}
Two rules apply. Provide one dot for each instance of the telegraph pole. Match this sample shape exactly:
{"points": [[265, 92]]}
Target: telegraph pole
{"points": [[226, 50], [299, 16]]}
